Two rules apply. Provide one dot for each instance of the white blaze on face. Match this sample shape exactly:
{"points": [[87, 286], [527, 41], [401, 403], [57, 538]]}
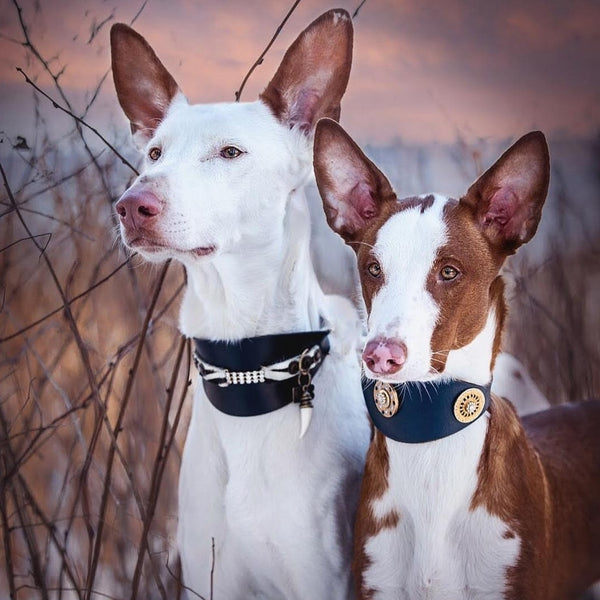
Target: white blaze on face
{"points": [[403, 310]]}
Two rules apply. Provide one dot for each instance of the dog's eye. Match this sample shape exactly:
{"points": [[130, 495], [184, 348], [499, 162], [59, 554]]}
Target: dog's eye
{"points": [[230, 152], [449, 273], [374, 269], [154, 153]]}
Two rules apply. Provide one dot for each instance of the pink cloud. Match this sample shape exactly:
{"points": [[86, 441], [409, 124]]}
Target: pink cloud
{"points": [[420, 71]]}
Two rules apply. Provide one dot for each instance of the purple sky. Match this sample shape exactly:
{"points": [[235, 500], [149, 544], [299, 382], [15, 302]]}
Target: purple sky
{"points": [[423, 70]]}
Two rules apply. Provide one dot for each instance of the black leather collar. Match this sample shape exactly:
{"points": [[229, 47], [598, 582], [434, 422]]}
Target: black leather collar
{"points": [[250, 354], [425, 411]]}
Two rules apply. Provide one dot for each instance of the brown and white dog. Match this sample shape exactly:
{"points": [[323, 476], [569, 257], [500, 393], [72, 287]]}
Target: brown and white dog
{"points": [[481, 504]]}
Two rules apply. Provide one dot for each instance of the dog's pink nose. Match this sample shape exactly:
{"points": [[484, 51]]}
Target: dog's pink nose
{"points": [[137, 208], [384, 356]]}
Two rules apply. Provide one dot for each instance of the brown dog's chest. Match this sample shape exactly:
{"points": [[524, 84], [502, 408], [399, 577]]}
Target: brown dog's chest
{"points": [[507, 516], [418, 535]]}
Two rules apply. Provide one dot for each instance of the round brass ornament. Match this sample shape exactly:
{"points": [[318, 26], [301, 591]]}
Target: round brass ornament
{"points": [[386, 399], [469, 405]]}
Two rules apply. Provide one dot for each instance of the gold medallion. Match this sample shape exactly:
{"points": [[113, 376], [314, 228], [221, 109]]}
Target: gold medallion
{"points": [[469, 405], [386, 399]]}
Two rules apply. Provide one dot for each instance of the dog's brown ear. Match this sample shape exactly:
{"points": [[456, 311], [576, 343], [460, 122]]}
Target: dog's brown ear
{"points": [[507, 199], [313, 75], [353, 189], [144, 87]]}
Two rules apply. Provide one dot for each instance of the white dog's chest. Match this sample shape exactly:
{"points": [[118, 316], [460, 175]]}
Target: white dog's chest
{"points": [[440, 549], [270, 500], [231, 502]]}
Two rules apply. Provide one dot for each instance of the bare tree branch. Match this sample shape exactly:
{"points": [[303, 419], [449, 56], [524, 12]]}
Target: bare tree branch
{"points": [[118, 426], [355, 13], [79, 120], [260, 59], [68, 302]]}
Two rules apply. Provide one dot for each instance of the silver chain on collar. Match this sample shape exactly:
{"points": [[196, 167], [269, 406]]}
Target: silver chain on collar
{"points": [[286, 369]]}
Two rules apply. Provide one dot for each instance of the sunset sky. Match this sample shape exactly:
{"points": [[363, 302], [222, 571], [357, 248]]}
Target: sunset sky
{"points": [[423, 71]]}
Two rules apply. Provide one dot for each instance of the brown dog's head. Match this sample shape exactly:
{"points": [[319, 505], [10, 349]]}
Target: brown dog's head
{"points": [[429, 265]]}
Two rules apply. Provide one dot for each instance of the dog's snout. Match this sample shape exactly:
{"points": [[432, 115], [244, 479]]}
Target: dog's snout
{"points": [[137, 208], [384, 356]]}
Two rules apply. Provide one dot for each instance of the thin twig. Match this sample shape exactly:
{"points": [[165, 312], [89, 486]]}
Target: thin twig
{"points": [[8, 555], [212, 568], [158, 469], [55, 78], [40, 213], [355, 13], [33, 444], [67, 309], [139, 12], [69, 302], [83, 352], [79, 120], [118, 427], [39, 235], [260, 59], [55, 184], [51, 528], [107, 72], [180, 582], [32, 547], [66, 589]]}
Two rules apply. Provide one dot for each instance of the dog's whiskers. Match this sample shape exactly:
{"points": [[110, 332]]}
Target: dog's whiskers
{"points": [[359, 242]]}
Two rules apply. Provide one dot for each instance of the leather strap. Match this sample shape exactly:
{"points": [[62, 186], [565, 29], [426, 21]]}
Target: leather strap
{"points": [[426, 410], [251, 354]]}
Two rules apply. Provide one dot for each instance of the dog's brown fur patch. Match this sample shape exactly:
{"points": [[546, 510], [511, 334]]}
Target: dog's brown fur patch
{"points": [[374, 485], [548, 497], [466, 301]]}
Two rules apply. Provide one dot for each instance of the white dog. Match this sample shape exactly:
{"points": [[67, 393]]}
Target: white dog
{"points": [[222, 191]]}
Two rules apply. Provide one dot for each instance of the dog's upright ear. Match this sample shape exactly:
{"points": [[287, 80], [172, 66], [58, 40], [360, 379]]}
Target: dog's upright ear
{"points": [[353, 189], [507, 199], [144, 87], [313, 75]]}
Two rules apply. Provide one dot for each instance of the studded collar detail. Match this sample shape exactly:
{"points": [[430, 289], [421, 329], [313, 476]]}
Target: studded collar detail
{"points": [[417, 412]]}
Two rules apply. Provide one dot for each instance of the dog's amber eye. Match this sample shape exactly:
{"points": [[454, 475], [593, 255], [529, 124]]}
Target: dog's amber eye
{"points": [[374, 269], [154, 153], [449, 273], [230, 152]]}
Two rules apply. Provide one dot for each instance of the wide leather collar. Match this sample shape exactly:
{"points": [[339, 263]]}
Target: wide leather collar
{"points": [[417, 412], [247, 399]]}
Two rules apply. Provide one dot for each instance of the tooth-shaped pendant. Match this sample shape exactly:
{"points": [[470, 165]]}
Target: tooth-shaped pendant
{"points": [[305, 417]]}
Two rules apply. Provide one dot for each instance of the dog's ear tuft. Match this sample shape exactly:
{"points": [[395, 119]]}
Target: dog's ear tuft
{"points": [[353, 189], [507, 199], [144, 87], [313, 75]]}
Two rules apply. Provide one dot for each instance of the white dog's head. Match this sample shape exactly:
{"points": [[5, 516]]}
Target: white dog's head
{"points": [[216, 177]]}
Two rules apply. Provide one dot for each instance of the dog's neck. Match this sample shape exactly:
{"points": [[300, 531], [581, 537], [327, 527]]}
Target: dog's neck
{"points": [[268, 287], [427, 408], [456, 457], [474, 362]]}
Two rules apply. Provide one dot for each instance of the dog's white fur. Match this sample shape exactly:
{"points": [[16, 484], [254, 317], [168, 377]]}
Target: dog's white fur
{"points": [[278, 508]]}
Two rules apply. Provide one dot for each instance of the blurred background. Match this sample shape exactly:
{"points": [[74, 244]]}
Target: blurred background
{"points": [[94, 376]]}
